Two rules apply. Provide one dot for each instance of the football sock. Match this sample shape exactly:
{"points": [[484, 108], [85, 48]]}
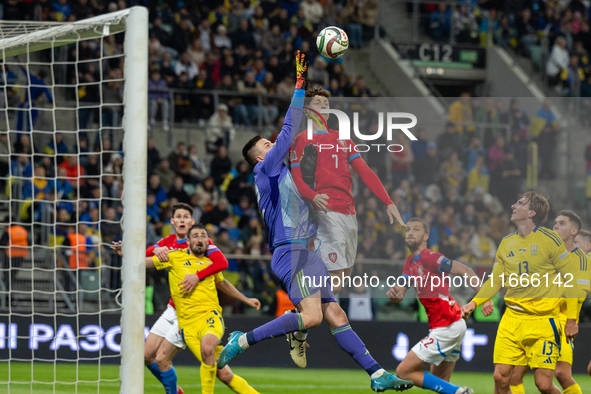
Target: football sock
{"points": [[519, 389], [241, 386], [350, 342], [207, 378], [300, 335], [433, 383], [275, 328], [169, 381], [155, 371], [574, 389]]}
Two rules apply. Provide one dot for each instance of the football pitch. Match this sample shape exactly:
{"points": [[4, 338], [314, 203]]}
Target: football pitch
{"points": [[264, 380]]}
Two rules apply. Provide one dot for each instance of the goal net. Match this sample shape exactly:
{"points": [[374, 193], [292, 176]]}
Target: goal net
{"points": [[73, 143]]}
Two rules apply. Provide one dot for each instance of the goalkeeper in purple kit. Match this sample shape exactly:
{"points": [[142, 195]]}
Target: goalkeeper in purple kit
{"points": [[291, 226]]}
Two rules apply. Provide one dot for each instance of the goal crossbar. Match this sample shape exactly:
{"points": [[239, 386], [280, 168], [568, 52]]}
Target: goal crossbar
{"points": [[50, 35]]}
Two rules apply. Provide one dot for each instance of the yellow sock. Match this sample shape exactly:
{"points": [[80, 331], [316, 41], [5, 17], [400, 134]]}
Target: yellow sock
{"points": [[519, 389], [240, 386], [574, 389], [207, 378]]}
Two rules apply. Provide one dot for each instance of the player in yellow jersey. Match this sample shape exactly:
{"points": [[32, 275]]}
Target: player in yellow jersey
{"points": [[583, 242], [535, 268], [568, 225], [199, 311]]}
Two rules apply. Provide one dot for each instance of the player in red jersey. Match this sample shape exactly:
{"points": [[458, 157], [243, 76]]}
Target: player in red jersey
{"points": [[164, 341], [320, 168], [328, 184], [441, 348]]}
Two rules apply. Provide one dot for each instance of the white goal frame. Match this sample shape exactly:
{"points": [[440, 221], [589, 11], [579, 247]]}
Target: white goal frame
{"points": [[134, 21]]}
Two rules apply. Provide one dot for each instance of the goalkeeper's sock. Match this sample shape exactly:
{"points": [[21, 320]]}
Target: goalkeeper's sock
{"points": [[207, 378], [299, 335], [574, 389], [433, 383], [518, 389], [169, 381], [282, 325], [155, 371], [352, 344], [241, 386]]}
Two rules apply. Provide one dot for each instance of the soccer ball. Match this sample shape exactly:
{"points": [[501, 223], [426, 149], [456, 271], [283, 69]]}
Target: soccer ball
{"points": [[332, 42]]}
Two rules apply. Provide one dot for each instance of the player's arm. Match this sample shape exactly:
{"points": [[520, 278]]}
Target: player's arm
{"points": [[155, 262], [396, 293], [218, 264], [565, 265], [489, 289], [274, 158], [375, 185], [458, 269], [230, 290]]}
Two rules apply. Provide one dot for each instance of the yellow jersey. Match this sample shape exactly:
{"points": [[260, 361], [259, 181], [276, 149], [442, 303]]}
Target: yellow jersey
{"points": [[537, 271], [203, 299], [583, 278]]}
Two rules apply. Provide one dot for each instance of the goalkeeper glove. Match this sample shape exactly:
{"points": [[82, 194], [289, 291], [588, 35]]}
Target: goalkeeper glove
{"points": [[308, 165], [301, 71]]}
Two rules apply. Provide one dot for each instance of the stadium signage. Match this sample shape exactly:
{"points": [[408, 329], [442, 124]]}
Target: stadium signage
{"points": [[345, 125]]}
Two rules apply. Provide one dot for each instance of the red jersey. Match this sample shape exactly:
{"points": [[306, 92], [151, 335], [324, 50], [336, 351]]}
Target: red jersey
{"points": [[213, 253], [333, 174], [440, 306]]}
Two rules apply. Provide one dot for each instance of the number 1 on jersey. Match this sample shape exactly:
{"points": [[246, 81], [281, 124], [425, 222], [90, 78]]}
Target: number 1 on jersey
{"points": [[336, 161]]}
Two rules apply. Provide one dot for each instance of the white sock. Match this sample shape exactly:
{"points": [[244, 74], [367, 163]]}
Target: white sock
{"points": [[300, 336], [378, 373], [243, 342]]}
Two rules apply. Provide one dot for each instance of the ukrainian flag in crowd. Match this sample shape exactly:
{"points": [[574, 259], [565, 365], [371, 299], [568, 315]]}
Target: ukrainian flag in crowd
{"points": [[540, 121]]}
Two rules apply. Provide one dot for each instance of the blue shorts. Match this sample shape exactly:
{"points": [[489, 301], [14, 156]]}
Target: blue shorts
{"points": [[293, 264]]}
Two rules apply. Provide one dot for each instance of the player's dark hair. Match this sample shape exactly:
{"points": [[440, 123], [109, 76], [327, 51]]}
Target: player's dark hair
{"points": [[572, 217], [537, 203], [423, 222], [182, 205], [197, 226], [317, 91], [248, 152], [585, 234]]}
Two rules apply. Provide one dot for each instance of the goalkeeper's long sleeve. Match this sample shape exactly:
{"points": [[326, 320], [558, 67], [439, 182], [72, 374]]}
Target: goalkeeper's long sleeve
{"points": [[303, 188]]}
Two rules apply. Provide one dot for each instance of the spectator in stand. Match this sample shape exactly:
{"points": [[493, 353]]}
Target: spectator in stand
{"points": [[165, 173], [588, 156], [510, 178], [482, 246], [519, 120], [208, 189], [351, 16], [478, 176], [313, 11], [220, 165], [259, 24], [472, 152], [247, 112], [419, 147], [359, 89], [571, 78], [153, 156], [401, 161], [181, 36], [440, 24], [153, 212], [557, 61], [221, 41], [113, 95], [196, 52], [460, 113], [546, 151], [243, 36], [425, 169], [158, 98], [241, 185], [198, 170], [177, 190], [73, 170], [186, 65], [369, 13], [220, 130], [448, 141], [465, 25], [496, 153], [155, 188], [217, 214], [272, 41], [526, 31], [56, 145], [451, 173], [487, 114], [179, 162], [160, 33], [318, 74], [203, 103]]}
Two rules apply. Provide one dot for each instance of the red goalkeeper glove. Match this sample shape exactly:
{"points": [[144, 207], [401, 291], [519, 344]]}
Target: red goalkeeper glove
{"points": [[301, 71]]}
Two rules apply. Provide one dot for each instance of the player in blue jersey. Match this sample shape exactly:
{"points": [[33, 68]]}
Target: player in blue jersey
{"points": [[291, 226]]}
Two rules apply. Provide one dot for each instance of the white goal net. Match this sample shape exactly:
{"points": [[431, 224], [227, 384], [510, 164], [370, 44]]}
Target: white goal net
{"points": [[73, 143]]}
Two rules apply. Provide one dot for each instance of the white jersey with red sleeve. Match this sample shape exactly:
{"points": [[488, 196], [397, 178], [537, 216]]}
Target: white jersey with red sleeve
{"points": [[333, 172], [220, 262], [442, 310]]}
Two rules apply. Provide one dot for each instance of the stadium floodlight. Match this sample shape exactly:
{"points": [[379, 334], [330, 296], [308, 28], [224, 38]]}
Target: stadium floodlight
{"points": [[26, 48]]}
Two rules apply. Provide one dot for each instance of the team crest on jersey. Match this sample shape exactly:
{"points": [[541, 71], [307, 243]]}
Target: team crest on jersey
{"points": [[534, 249], [342, 143], [332, 257], [293, 156]]}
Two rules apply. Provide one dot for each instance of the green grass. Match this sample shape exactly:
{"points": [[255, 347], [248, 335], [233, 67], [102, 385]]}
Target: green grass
{"points": [[265, 380]]}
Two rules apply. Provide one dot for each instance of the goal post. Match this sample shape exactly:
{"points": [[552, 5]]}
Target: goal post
{"points": [[25, 38]]}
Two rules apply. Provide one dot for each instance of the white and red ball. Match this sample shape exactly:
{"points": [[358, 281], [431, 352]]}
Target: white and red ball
{"points": [[332, 42]]}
